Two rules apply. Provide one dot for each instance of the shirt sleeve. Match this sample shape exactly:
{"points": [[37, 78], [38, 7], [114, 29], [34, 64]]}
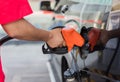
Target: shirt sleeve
{"points": [[12, 10]]}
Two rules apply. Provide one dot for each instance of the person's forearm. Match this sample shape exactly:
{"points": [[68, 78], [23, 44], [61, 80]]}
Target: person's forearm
{"points": [[22, 29], [114, 33]]}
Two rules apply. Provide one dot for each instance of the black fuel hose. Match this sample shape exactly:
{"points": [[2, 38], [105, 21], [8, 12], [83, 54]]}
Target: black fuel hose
{"points": [[5, 39]]}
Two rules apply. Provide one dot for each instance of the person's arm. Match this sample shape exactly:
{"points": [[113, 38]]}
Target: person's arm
{"points": [[114, 33], [21, 29], [105, 35]]}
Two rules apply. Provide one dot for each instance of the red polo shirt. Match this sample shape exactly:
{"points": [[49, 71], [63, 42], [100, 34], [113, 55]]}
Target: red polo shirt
{"points": [[1, 72], [12, 10]]}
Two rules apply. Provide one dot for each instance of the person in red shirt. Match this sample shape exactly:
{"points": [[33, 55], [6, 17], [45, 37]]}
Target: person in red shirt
{"points": [[12, 20]]}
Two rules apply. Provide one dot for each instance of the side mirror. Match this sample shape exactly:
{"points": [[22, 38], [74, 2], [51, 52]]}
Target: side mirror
{"points": [[45, 5]]}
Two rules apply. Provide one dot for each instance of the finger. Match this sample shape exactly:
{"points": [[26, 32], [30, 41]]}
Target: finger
{"points": [[64, 44], [61, 45]]}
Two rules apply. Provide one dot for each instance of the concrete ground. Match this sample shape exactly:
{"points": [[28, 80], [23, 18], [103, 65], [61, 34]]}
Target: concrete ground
{"points": [[24, 62]]}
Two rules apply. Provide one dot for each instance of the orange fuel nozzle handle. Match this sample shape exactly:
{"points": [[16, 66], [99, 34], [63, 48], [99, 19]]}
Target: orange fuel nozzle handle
{"points": [[72, 38]]}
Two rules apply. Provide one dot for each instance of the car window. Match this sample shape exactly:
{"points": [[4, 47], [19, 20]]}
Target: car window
{"points": [[92, 12], [102, 2]]}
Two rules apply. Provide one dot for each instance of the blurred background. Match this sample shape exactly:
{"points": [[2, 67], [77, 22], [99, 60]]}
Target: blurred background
{"points": [[24, 61]]}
